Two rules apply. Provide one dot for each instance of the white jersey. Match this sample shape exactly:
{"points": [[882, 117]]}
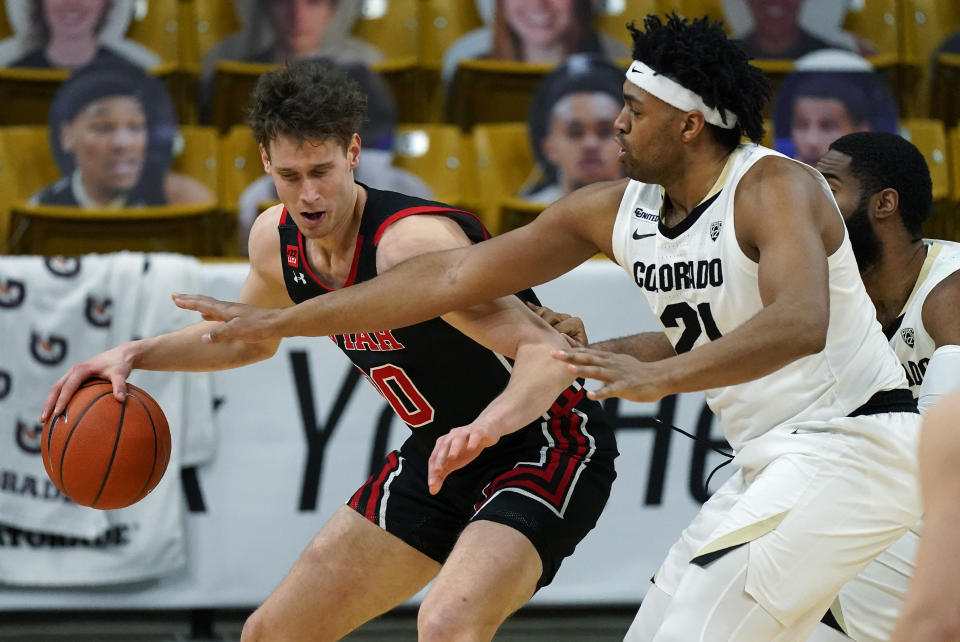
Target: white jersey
{"points": [[911, 341], [701, 286]]}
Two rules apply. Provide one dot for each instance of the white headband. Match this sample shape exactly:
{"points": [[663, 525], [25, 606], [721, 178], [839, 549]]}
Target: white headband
{"points": [[673, 93]]}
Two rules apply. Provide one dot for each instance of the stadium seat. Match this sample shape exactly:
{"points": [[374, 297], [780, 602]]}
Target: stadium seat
{"points": [[5, 29], [945, 92], [616, 14], [953, 142], [926, 23], [240, 165], [26, 162], [442, 22], [695, 8], [27, 94], [516, 212], [504, 161], [48, 230], [877, 22], [197, 154], [930, 138], [205, 22], [442, 156], [486, 91], [157, 26], [22, 175], [233, 83], [392, 26]]}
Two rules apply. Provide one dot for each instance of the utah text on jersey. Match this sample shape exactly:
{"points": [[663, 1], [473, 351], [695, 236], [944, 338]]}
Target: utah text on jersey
{"points": [[374, 341]]}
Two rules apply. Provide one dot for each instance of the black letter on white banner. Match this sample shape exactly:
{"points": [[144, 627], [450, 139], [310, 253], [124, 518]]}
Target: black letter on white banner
{"points": [[660, 425], [317, 435]]}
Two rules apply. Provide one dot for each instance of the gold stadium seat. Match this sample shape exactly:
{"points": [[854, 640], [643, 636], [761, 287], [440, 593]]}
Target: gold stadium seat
{"points": [[878, 22], [516, 212], [503, 164], [157, 26], [27, 94], [392, 26], [497, 91], [233, 84], [615, 15], [23, 174], [926, 23], [205, 23], [197, 154], [443, 157], [442, 22], [930, 138], [945, 92], [5, 29], [48, 229], [240, 165], [695, 8], [953, 141]]}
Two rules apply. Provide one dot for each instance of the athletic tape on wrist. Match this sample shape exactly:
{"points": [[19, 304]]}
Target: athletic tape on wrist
{"points": [[673, 93]]}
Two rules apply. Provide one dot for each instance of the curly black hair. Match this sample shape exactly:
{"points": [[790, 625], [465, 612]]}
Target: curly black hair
{"points": [[309, 99], [879, 160], [698, 55]]}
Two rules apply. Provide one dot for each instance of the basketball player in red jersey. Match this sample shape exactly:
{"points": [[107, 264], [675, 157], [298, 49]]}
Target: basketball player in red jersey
{"points": [[478, 385], [742, 255]]}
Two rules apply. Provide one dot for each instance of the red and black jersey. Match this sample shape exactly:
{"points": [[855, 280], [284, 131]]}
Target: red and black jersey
{"points": [[435, 377]]}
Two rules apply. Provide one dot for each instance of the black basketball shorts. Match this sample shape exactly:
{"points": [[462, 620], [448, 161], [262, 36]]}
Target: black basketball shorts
{"points": [[549, 481]]}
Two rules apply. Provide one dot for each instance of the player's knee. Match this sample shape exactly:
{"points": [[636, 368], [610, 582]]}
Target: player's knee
{"points": [[254, 629], [444, 622]]}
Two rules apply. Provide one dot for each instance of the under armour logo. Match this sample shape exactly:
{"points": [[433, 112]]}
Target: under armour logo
{"points": [[908, 336], [298, 277]]}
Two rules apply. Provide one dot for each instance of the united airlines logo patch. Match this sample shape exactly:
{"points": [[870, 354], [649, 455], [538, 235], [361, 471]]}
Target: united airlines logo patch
{"points": [[715, 229], [293, 256], [908, 336]]}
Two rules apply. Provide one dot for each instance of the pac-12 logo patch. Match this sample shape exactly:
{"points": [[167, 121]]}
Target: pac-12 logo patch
{"points": [[293, 256], [715, 230], [908, 336]]}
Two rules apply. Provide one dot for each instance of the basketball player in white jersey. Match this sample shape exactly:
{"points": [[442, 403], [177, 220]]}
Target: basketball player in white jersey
{"points": [[932, 608], [883, 189], [743, 256]]}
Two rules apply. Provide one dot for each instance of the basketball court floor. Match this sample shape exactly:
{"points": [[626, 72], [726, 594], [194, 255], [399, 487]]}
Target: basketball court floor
{"points": [[528, 625]]}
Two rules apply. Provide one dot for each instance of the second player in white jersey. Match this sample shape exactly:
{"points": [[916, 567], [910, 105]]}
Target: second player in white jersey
{"points": [[883, 187]]}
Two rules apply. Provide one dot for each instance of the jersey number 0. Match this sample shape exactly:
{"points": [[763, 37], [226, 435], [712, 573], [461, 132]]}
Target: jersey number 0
{"points": [[396, 387]]}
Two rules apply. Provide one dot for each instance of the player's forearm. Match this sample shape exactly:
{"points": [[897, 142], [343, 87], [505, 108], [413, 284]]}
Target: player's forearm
{"points": [[646, 346], [773, 338], [183, 351], [537, 379], [421, 288]]}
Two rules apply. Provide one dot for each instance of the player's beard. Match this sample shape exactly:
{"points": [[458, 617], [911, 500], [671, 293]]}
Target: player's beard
{"points": [[866, 244]]}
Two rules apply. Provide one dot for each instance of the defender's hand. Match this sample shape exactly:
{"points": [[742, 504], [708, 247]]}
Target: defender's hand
{"points": [[624, 376], [569, 326], [241, 322]]}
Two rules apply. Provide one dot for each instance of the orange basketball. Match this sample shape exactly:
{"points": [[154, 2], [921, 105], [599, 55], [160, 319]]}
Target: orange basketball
{"points": [[103, 453]]}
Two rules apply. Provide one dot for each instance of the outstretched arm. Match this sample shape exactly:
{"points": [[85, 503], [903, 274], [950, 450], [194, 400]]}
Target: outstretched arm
{"points": [[932, 607], [430, 284], [505, 326], [789, 226], [182, 350]]}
